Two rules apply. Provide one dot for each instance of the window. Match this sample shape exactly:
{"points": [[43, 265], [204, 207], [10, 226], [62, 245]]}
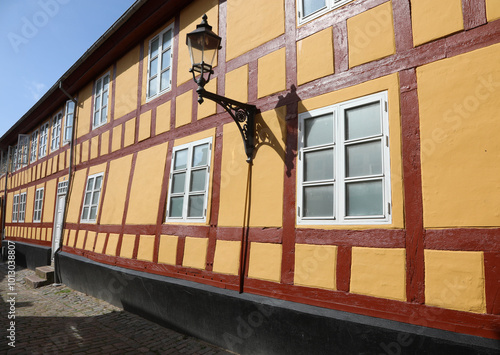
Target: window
{"points": [[92, 195], [22, 207], [101, 101], [188, 185], [34, 146], [44, 132], [14, 159], [70, 114], [15, 206], [37, 214], [343, 163], [160, 63], [310, 9], [56, 131]]}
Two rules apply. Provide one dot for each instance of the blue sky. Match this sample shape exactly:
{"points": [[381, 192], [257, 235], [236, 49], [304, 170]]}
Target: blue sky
{"points": [[40, 40]]}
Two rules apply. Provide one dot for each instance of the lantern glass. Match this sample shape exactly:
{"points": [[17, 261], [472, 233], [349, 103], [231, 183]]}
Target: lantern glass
{"points": [[203, 45]]}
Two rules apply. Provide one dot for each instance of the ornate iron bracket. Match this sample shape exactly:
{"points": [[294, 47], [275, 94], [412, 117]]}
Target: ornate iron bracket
{"points": [[242, 114]]}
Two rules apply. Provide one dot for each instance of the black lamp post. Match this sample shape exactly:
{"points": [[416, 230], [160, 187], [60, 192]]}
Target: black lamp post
{"points": [[203, 44]]}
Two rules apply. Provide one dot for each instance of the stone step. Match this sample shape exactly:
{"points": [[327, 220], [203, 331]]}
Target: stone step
{"points": [[34, 281], [45, 272]]}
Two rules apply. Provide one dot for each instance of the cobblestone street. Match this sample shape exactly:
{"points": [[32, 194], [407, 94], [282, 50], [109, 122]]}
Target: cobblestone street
{"points": [[59, 320]]}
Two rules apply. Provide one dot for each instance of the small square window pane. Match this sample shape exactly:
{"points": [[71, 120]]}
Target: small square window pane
{"points": [[105, 98], [318, 130], [153, 86], [85, 214], [364, 198], [318, 201], [167, 39], [104, 114], [165, 59], [318, 165], [106, 82], [98, 87], [364, 159], [93, 213], [198, 179], [87, 198], [154, 47], [95, 197], [363, 121], [310, 6], [196, 206], [97, 118], [165, 80], [180, 161], [98, 182], [153, 68], [176, 206], [200, 155], [178, 182], [97, 104]]}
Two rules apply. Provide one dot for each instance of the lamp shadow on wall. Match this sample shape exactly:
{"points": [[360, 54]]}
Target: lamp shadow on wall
{"points": [[287, 120]]}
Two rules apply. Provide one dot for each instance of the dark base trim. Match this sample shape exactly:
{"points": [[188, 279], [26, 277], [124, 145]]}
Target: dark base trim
{"points": [[29, 255], [251, 324]]}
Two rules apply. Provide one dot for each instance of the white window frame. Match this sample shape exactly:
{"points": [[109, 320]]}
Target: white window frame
{"points": [[88, 203], [44, 135], [22, 207], [15, 207], [329, 5], [159, 71], [55, 136], [37, 212], [69, 121], [186, 193], [340, 181], [34, 146], [15, 158], [101, 96]]}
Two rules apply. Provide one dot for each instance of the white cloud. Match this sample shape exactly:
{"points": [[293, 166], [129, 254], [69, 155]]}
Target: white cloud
{"points": [[36, 89]]}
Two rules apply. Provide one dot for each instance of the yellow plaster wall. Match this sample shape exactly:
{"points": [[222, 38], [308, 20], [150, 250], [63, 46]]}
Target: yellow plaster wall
{"points": [[112, 244], [272, 73], [265, 261], [267, 173], [435, 19], [146, 184], [227, 257], [492, 10], [99, 244], [62, 161], [129, 137], [315, 266], [105, 143], [145, 126], [190, 17], [84, 113], [315, 56], [116, 139], [97, 169], [184, 109], [72, 238], [455, 280], [89, 242], [146, 247], [94, 147], [79, 240], [252, 23], [195, 253], [209, 107], [237, 84], [370, 35], [167, 253], [379, 272], [8, 209], [459, 99], [391, 84], [49, 200], [127, 247], [30, 201], [85, 151], [113, 205], [163, 117], [127, 80], [76, 195]]}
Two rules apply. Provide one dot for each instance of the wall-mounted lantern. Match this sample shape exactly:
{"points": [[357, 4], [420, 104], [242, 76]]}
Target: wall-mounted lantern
{"points": [[203, 45]]}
